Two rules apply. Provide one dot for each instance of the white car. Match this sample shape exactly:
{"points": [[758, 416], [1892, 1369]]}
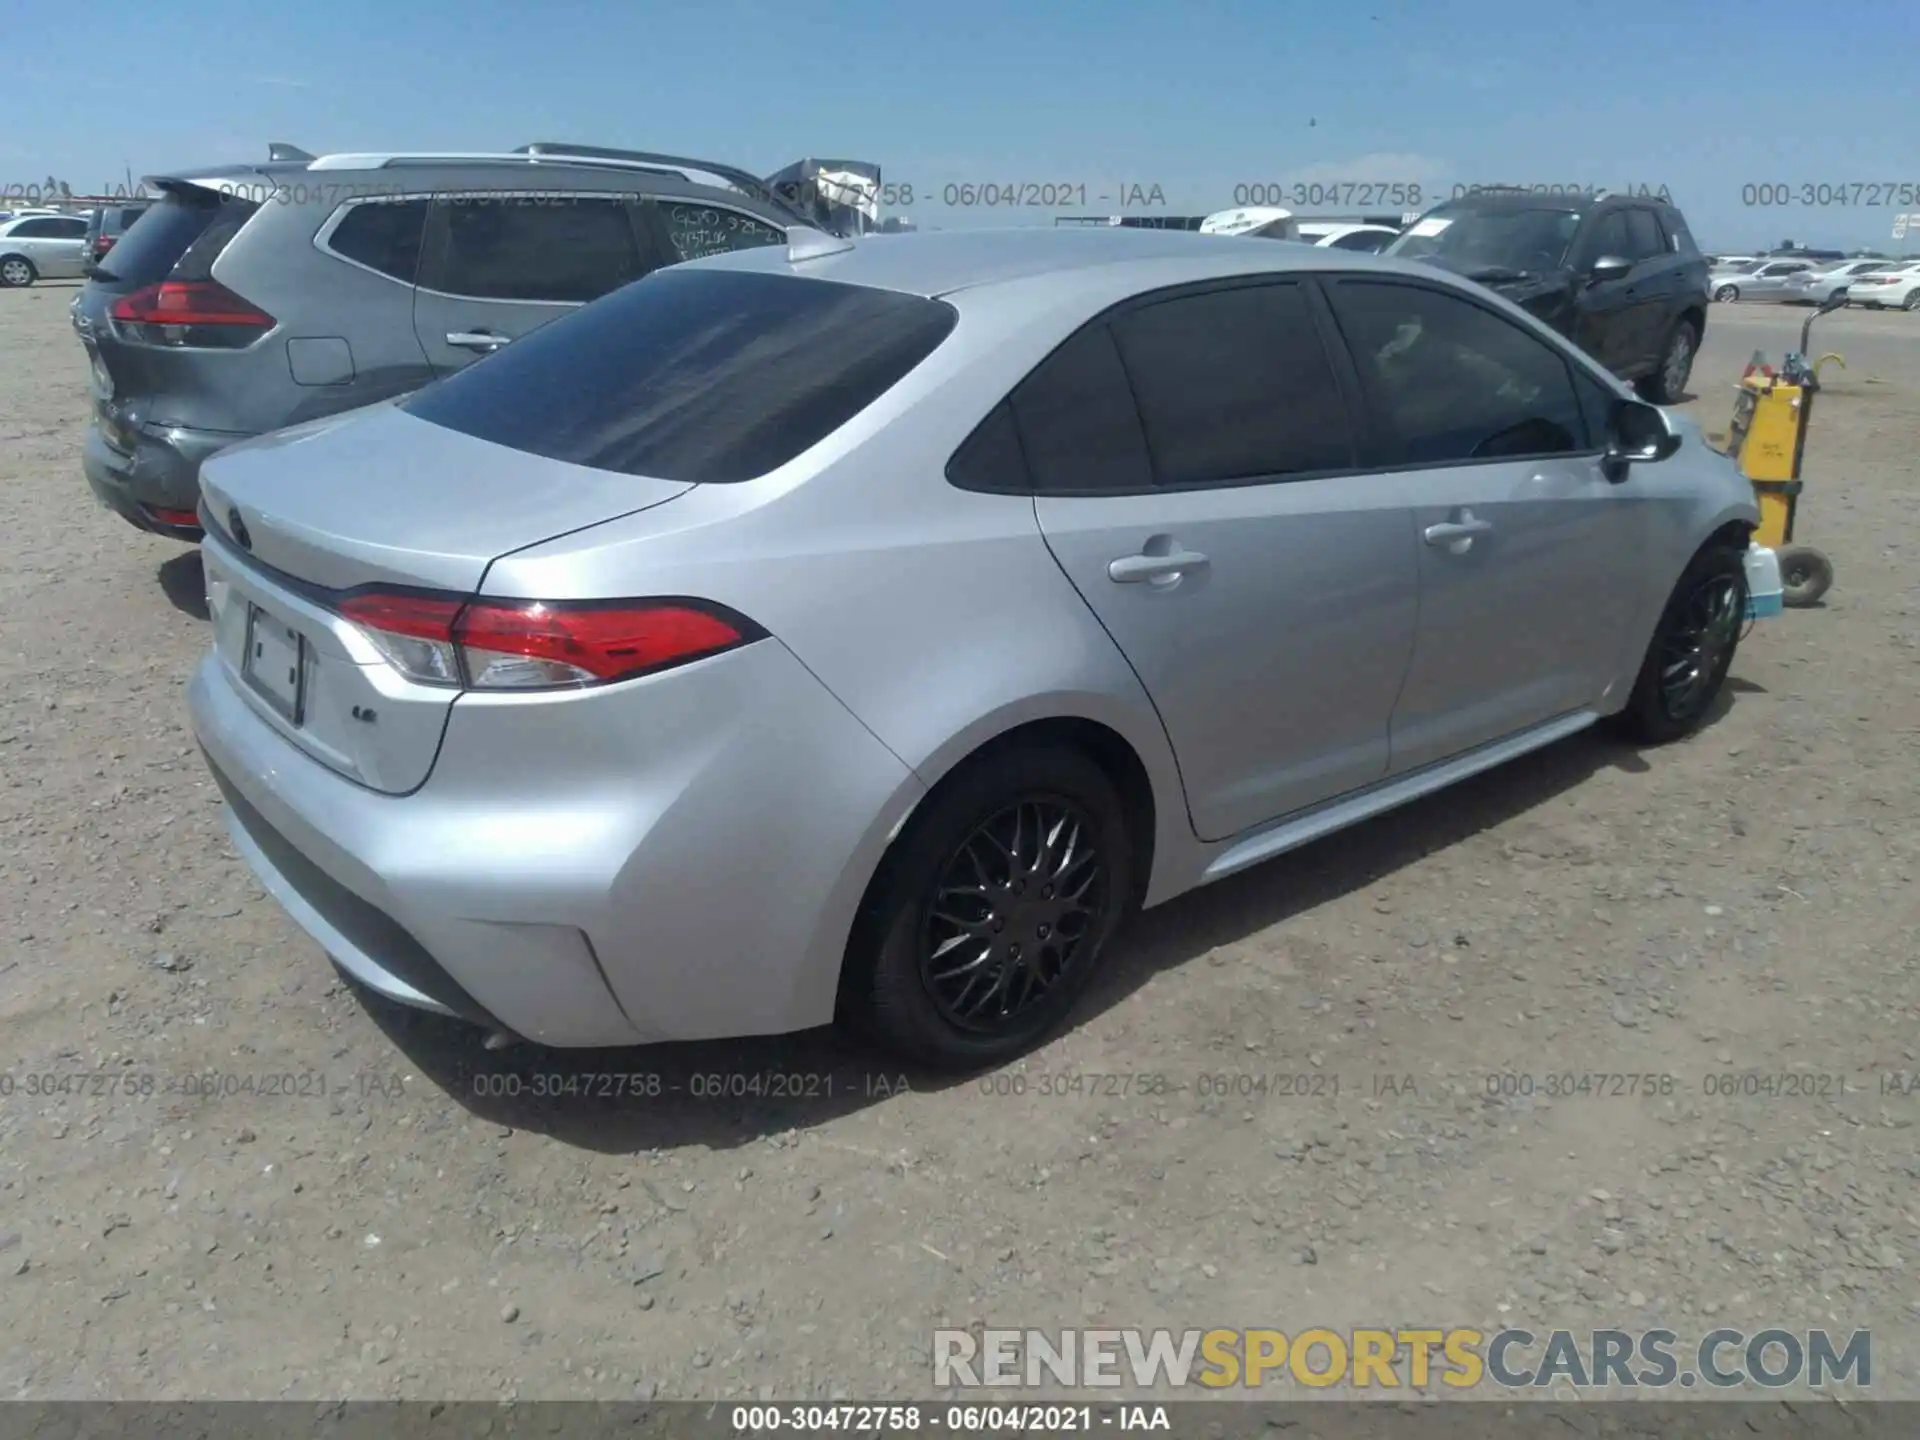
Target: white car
{"points": [[42, 247], [1369, 238], [1817, 286], [1269, 222], [1890, 283]]}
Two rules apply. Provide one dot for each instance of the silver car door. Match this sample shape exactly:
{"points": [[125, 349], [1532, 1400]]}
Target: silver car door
{"points": [[1197, 476]]}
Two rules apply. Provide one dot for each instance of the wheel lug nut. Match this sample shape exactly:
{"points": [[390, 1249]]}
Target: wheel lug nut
{"points": [[1014, 952], [1045, 930], [998, 924]]}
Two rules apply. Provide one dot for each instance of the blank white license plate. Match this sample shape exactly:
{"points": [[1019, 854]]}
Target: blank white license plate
{"points": [[275, 663]]}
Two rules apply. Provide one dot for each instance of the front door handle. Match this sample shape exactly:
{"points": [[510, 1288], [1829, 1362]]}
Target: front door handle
{"points": [[1457, 535], [1132, 569], [485, 341]]}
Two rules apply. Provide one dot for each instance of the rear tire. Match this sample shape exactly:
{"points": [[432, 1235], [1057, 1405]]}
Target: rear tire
{"points": [[1912, 302], [15, 271], [1691, 650], [907, 991], [1668, 382]]}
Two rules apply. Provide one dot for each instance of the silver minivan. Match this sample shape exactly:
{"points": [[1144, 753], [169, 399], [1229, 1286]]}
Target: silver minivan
{"points": [[42, 247]]}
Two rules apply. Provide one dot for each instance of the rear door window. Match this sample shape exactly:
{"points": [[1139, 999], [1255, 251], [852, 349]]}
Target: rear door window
{"points": [[157, 241], [707, 376], [383, 235], [559, 249], [1234, 384], [695, 230]]}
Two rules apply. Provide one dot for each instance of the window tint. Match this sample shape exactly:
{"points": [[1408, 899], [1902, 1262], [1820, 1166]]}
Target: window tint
{"points": [[1643, 235], [697, 230], [1457, 382], [1233, 384], [51, 227], [1077, 422], [383, 235], [709, 376], [153, 243], [991, 458], [1676, 227], [1370, 241], [1609, 237], [512, 247]]}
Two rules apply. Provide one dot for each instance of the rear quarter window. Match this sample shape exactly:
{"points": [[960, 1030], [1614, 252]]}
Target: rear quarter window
{"points": [[707, 376]]}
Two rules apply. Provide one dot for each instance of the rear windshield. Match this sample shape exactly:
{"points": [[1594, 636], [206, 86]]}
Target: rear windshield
{"points": [[708, 376], [154, 243]]}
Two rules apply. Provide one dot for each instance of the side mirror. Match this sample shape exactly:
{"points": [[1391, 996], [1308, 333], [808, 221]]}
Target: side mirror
{"points": [[1609, 267], [1638, 434]]}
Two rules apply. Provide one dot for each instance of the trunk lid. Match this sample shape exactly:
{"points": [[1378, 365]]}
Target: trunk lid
{"points": [[376, 496], [371, 497]]}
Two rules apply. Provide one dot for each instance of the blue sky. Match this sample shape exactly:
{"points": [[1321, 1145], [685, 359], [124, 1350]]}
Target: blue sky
{"points": [[1198, 97]]}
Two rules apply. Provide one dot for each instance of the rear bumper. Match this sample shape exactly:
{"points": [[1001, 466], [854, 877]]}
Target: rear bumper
{"points": [[162, 474], [676, 858]]}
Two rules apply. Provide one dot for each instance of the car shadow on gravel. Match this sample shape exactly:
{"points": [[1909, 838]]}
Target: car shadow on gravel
{"points": [[725, 1094], [185, 584]]}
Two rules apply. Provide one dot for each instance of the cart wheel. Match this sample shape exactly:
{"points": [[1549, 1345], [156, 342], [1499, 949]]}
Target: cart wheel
{"points": [[1805, 576]]}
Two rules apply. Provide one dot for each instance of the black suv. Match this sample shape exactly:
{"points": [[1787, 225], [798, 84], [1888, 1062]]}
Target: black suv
{"points": [[1619, 275]]}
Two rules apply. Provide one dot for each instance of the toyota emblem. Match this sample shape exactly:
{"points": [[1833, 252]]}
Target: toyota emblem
{"points": [[238, 528]]}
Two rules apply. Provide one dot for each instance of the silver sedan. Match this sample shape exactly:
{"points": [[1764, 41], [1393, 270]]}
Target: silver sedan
{"points": [[860, 631]]}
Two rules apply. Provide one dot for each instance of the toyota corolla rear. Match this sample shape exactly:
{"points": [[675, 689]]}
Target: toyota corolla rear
{"points": [[490, 716]]}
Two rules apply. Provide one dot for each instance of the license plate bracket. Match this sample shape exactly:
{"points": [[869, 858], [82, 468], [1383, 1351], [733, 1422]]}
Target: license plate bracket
{"points": [[275, 664]]}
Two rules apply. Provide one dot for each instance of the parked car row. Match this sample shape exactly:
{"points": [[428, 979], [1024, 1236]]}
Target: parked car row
{"points": [[826, 629], [1875, 284]]}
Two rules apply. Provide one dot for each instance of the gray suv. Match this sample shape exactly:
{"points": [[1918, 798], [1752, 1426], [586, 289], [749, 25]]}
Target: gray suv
{"points": [[253, 297]]}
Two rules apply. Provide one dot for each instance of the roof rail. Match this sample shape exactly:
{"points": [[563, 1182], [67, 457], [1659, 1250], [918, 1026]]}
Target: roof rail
{"points": [[646, 159]]}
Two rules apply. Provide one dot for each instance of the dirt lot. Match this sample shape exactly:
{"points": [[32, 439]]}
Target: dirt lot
{"points": [[1744, 903]]}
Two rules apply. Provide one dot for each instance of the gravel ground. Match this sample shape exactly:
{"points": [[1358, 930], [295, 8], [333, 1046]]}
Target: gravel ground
{"points": [[363, 1208]]}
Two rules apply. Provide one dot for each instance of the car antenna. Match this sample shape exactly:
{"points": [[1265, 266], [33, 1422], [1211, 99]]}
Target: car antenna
{"points": [[806, 243], [280, 150]]}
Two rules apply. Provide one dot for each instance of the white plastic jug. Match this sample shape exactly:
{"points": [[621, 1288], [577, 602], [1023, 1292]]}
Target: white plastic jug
{"points": [[1764, 590]]}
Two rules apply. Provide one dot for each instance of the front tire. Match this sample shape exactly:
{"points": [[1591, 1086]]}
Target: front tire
{"points": [[15, 271], [1691, 651], [1727, 294], [989, 914]]}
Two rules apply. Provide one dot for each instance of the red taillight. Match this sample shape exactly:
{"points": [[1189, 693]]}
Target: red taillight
{"points": [[535, 645], [174, 517], [102, 244], [189, 302]]}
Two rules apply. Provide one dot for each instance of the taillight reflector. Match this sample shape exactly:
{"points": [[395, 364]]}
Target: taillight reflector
{"points": [[188, 302], [537, 645]]}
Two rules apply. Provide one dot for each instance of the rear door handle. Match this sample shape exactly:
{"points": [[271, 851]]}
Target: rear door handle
{"points": [[485, 341], [1132, 569], [1457, 535]]}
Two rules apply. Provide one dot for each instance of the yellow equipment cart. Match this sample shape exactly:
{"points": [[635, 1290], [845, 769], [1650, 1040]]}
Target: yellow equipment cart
{"points": [[1767, 440]]}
